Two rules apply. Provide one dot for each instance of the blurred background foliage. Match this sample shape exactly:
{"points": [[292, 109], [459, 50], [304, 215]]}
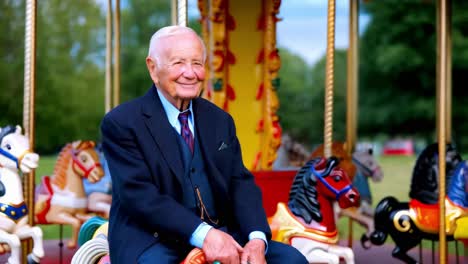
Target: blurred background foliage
{"points": [[397, 71]]}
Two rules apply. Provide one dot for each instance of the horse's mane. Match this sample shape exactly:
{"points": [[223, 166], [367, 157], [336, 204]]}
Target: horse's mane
{"points": [[61, 166], [424, 181], [6, 131], [303, 194], [63, 161]]}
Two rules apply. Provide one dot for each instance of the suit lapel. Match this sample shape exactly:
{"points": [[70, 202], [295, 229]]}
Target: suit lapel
{"points": [[162, 132]]}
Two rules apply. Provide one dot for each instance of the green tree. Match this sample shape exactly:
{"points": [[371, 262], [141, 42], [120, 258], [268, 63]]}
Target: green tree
{"points": [[70, 79], [11, 61], [69, 98], [140, 19], [398, 69], [302, 97]]}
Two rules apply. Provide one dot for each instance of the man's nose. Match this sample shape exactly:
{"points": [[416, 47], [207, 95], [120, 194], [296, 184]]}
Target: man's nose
{"points": [[189, 71]]}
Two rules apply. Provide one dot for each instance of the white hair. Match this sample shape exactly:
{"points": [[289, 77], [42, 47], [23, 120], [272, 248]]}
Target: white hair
{"points": [[155, 44]]}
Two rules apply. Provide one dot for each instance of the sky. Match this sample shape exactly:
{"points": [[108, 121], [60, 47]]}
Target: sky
{"points": [[303, 29]]}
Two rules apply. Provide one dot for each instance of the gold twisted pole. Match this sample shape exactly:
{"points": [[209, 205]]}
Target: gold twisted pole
{"points": [[448, 113], [352, 90], [108, 82], [352, 77], [182, 13], [28, 106], [116, 72], [329, 71], [442, 93]]}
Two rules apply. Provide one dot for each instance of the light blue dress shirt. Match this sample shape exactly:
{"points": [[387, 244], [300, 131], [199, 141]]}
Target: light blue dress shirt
{"points": [[198, 236]]}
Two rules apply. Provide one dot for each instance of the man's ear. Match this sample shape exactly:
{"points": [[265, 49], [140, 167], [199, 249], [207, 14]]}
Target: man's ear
{"points": [[152, 69]]}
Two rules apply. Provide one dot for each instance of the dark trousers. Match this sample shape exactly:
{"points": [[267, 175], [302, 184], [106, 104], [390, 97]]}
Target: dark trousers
{"points": [[278, 253]]}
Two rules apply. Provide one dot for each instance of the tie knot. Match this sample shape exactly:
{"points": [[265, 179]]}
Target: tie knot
{"points": [[183, 117]]}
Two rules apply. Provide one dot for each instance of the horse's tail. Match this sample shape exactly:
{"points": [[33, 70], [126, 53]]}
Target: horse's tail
{"points": [[381, 221], [88, 229]]}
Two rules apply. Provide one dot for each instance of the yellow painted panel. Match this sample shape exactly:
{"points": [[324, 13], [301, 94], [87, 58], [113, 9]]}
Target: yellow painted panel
{"points": [[245, 76]]}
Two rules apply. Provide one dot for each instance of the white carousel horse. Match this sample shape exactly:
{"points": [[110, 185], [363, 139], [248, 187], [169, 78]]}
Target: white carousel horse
{"points": [[15, 155], [61, 198], [308, 221]]}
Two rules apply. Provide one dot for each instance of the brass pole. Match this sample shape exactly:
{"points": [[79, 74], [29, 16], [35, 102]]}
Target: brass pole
{"points": [[442, 92], [108, 83], [448, 114], [352, 89], [352, 77], [28, 107], [329, 71], [182, 13], [174, 12], [116, 72]]}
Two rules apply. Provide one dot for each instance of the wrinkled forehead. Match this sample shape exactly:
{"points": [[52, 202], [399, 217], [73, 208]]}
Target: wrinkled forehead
{"points": [[178, 42]]}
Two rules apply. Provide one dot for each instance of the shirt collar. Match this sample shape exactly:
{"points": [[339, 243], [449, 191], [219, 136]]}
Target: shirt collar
{"points": [[172, 112]]}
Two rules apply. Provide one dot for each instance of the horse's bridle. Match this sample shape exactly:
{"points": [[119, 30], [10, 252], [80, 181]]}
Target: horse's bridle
{"points": [[80, 165], [18, 159], [326, 173], [363, 167]]}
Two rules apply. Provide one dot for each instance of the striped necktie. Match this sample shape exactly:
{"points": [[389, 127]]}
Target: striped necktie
{"points": [[185, 129]]}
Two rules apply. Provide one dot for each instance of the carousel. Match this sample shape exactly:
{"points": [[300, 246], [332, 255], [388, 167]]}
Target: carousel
{"points": [[302, 203]]}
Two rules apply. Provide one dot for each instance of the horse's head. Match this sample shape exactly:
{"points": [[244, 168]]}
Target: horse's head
{"points": [[334, 183], [424, 181], [367, 164], [320, 177], [86, 160], [15, 151]]}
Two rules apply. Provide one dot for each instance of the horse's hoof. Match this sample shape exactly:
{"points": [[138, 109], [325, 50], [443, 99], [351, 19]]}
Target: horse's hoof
{"points": [[32, 259], [365, 241]]}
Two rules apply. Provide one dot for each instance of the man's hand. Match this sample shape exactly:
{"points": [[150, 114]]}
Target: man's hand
{"points": [[254, 252], [220, 246]]}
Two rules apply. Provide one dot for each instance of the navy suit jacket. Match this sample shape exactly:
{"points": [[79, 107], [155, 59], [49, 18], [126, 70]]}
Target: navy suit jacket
{"points": [[146, 167]]}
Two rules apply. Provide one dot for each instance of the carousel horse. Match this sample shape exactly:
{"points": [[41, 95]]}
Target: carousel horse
{"points": [[366, 167], [15, 155], [60, 198], [308, 221], [99, 193], [94, 247], [409, 223], [360, 166]]}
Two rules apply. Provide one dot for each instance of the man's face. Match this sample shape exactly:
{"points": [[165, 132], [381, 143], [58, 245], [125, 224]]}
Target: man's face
{"points": [[180, 71]]}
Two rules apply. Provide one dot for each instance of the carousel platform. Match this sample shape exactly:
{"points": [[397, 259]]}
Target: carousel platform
{"points": [[381, 255]]}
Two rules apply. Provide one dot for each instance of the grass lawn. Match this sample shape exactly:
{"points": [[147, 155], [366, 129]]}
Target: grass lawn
{"points": [[396, 182]]}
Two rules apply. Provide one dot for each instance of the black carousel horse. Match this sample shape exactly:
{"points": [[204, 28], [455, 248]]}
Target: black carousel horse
{"points": [[410, 222]]}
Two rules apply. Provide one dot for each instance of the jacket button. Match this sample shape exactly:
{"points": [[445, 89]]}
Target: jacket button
{"points": [[192, 170], [156, 234]]}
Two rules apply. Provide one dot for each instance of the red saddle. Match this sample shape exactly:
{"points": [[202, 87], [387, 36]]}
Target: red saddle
{"points": [[43, 191]]}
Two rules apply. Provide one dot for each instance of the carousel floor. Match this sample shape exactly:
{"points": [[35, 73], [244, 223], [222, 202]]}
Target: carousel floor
{"points": [[380, 255]]}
